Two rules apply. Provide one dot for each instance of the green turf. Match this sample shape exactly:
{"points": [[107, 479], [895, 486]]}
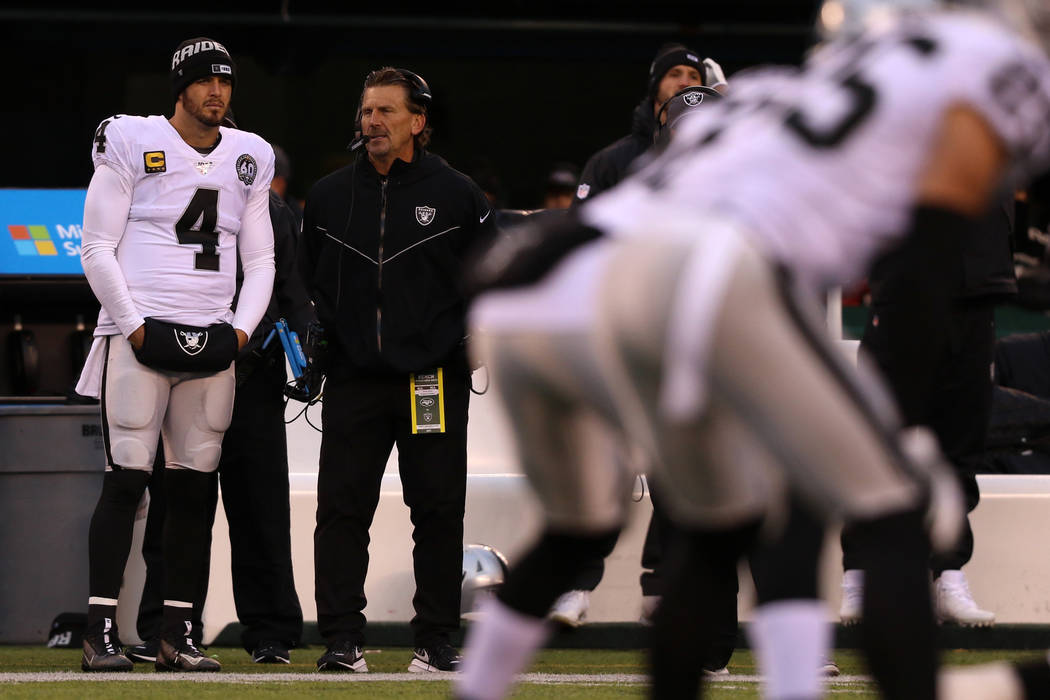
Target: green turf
{"points": [[404, 690], [574, 661]]}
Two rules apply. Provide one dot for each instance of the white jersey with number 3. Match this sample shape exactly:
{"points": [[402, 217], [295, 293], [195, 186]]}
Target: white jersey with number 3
{"points": [[178, 253], [820, 165]]}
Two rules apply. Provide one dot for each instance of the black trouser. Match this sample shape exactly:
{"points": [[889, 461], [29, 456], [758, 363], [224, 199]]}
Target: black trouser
{"points": [[696, 570], [948, 389], [786, 567], [658, 537], [363, 419], [593, 566], [254, 474], [962, 410]]}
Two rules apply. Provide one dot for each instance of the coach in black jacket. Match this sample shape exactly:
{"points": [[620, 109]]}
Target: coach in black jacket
{"points": [[383, 241]]}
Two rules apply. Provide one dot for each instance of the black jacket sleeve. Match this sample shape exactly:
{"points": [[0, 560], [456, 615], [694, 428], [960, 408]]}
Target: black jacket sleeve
{"points": [[486, 230], [292, 300], [309, 247]]}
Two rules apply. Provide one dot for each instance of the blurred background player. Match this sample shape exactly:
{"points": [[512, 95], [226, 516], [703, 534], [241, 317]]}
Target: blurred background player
{"points": [[560, 186], [703, 378], [282, 175], [673, 68], [160, 250], [943, 381]]}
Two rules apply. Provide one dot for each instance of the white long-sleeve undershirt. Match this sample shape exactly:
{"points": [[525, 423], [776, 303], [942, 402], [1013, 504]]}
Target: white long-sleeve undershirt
{"points": [[106, 211], [105, 216]]}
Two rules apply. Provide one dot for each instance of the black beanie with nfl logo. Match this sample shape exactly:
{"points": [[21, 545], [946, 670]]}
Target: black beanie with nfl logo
{"points": [[199, 58]]}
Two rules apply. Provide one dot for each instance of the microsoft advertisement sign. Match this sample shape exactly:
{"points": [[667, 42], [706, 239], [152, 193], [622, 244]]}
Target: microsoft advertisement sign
{"points": [[40, 232]]}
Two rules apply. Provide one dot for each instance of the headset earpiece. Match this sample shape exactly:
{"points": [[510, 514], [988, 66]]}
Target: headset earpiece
{"points": [[420, 91]]}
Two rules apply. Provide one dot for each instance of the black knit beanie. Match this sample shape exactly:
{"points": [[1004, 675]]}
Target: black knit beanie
{"points": [[669, 56], [199, 58]]}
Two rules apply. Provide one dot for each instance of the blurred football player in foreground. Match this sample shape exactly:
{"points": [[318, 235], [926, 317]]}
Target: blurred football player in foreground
{"points": [[673, 312]]}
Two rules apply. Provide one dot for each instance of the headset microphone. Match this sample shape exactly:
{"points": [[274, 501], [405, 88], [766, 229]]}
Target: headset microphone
{"points": [[358, 142]]}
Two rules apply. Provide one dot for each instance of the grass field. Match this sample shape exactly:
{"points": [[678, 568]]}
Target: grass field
{"points": [[38, 672]]}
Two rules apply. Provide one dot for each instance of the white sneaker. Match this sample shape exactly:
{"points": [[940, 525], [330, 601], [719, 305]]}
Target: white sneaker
{"points": [[571, 608], [953, 601], [649, 604], [715, 673], [852, 609]]}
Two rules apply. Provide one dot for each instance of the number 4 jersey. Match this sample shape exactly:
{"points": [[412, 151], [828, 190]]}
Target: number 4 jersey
{"points": [[820, 165], [178, 252], [163, 226]]}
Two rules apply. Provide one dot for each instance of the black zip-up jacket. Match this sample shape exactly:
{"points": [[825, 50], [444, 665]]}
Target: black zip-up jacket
{"points": [[982, 271], [382, 258], [608, 166]]}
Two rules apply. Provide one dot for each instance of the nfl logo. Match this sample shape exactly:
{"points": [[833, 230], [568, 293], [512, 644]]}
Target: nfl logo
{"points": [[424, 215], [693, 98]]}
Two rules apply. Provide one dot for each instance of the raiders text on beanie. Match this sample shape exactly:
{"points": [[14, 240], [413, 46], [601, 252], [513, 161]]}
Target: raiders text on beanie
{"points": [[199, 58]]}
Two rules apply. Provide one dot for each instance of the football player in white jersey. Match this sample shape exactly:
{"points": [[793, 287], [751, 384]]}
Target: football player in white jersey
{"points": [[670, 311], [171, 205]]}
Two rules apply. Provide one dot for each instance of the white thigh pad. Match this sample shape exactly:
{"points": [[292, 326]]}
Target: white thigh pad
{"points": [[134, 407], [199, 412]]}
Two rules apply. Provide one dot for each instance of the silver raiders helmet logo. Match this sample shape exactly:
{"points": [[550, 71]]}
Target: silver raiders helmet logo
{"points": [[191, 342], [424, 215]]}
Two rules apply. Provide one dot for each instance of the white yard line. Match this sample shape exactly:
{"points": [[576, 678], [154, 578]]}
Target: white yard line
{"points": [[249, 678]]}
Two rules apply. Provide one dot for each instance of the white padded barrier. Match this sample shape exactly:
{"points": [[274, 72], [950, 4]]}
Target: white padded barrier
{"points": [[1009, 574]]}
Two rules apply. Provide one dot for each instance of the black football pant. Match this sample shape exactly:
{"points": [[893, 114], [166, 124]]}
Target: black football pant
{"points": [[658, 537], [363, 419]]}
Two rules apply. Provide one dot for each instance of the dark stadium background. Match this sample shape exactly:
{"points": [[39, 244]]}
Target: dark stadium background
{"points": [[518, 85]]}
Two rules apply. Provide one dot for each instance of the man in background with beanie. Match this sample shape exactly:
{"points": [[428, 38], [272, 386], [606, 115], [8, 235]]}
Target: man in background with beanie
{"points": [[674, 68], [174, 202], [383, 245], [282, 175]]}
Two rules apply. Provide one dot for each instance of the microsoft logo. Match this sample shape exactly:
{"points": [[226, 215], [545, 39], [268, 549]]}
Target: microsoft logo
{"points": [[32, 240]]}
